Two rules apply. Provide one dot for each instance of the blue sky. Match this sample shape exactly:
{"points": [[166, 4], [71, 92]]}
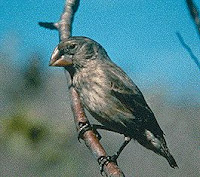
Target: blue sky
{"points": [[138, 35]]}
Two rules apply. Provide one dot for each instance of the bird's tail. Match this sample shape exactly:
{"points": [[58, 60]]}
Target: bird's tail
{"points": [[171, 160], [164, 151], [158, 145]]}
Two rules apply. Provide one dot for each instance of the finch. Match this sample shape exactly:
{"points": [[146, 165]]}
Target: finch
{"points": [[109, 94]]}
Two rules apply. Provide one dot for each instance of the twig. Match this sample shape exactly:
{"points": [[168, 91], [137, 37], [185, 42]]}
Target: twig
{"points": [[64, 26], [194, 14], [50, 26], [194, 58]]}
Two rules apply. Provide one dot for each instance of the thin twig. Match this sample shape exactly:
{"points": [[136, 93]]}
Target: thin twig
{"points": [[47, 25], [194, 58], [64, 26], [194, 14]]}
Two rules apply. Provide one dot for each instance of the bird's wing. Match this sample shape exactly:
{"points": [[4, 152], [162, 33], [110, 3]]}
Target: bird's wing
{"points": [[123, 88]]}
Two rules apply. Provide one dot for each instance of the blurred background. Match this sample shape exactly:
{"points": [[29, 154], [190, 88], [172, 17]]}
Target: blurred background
{"points": [[37, 132]]}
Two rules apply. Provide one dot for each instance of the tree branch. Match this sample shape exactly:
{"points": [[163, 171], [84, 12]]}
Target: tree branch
{"points": [[194, 14], [64, 27], [51, 26], [194, 58]]}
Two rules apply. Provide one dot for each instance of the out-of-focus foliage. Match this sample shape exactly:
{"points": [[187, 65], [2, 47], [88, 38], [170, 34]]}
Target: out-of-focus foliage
{"points": [[33, 77], [38, 136], [26, 134], [21, 126]]}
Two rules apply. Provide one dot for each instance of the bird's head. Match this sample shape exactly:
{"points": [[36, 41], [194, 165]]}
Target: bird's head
{"points": [[77, 51]]}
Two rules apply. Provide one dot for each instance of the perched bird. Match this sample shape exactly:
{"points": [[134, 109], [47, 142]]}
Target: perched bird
{"points": [[109, 94]]}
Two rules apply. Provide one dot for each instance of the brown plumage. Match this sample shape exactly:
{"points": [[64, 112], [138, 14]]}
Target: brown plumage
{"points": [[109, 94]]}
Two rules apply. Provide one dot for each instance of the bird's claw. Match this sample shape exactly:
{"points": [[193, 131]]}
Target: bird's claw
{"points": [[85, 127], [103, 160]]}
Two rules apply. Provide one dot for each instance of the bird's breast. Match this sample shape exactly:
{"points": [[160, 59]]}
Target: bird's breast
{"points": [[92, 87]]}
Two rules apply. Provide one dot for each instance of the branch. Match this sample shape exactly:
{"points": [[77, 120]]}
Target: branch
{"points": [[194, 58], [64, 26], [51, 26], [194, 14]]}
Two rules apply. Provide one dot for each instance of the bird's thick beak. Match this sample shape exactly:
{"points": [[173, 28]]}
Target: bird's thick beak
{"points": [[59, 60]]}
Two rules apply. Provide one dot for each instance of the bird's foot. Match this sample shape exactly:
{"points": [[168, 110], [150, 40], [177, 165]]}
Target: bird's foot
{"points": [[85, 127], [103, 160]]}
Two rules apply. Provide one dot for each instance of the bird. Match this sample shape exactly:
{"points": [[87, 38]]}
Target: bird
{"points": [[110, 95]]}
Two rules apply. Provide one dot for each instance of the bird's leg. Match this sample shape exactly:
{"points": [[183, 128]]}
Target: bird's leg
{"points": [[115, 156], [95, 127], [102, 127], [85, 127], [126, 141], [103, 160]]}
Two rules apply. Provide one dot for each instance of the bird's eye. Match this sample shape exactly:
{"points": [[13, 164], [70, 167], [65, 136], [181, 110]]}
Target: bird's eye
{"points": [[62, 52], [72, 46]]}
